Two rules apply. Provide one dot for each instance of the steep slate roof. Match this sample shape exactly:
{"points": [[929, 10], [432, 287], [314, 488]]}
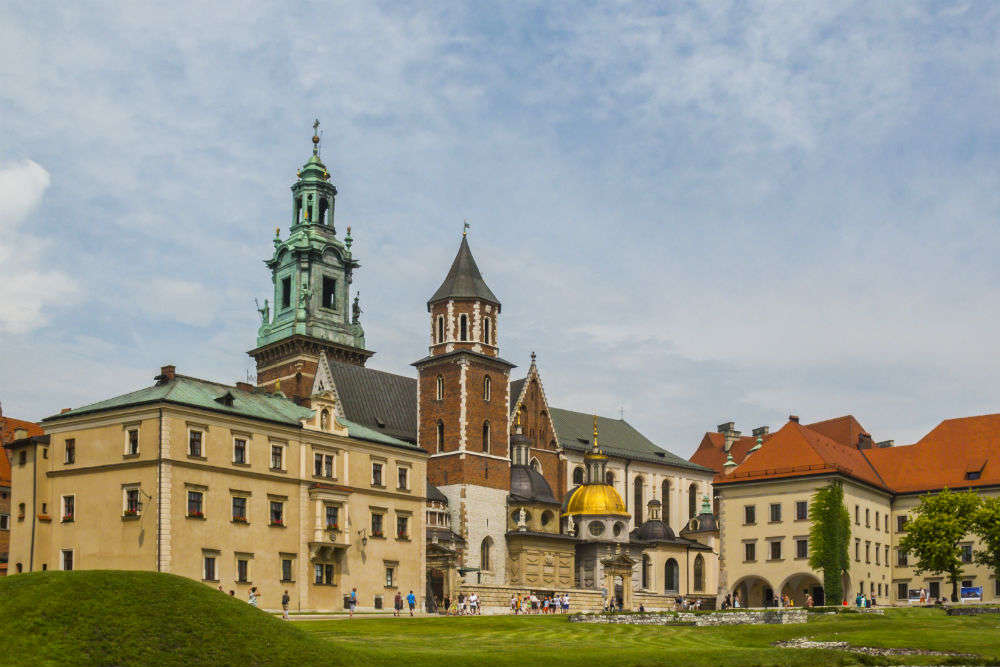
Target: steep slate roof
{"points": [[943, 457], [463, 279], [8, 425], [194, 392], [795, 451], [616, 437], [846, 430], [384, 402], [516, 389]]}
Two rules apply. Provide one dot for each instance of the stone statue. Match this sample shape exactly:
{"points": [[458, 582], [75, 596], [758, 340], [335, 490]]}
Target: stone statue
{"points": [[570, 525], [356, 309], [305, 295], [324, 420], [521, 525], [265, 312]]}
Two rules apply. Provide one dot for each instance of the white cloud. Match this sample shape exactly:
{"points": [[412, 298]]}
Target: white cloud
{"points": [[27, 286]]}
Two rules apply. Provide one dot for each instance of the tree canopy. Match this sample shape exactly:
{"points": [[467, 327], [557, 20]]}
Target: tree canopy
{"points": [[829, 536], [987, 526]]}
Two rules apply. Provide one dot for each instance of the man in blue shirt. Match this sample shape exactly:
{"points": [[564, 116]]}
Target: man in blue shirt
{"points": [[411, 600]]}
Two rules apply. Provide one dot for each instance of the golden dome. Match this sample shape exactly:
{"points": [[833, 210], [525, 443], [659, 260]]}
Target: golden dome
{"points": [[595, 499]]}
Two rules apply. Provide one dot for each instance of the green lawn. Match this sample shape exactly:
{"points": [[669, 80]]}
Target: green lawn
{"points": [[454, 642], [144, 618]]}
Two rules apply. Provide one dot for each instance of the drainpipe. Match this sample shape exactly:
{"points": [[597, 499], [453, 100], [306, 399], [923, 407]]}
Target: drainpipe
{"points": [[34, 506], [159, 495]]}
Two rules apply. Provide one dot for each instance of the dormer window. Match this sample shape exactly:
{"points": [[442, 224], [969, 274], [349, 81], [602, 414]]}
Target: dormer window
{"points": [[226, 399]]}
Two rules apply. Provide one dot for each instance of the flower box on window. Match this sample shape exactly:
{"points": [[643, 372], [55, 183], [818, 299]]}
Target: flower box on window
{"points": [[333, 527], [277, 523], [378, 534], [196, 514], [131, 513], [240, 519], [67, 517]]}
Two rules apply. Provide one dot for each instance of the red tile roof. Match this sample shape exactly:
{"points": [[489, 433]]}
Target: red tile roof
{"points": [[711, 453], [846, 430], [8, 425]]}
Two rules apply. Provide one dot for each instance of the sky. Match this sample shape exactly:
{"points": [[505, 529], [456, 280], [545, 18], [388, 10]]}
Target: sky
{"points": [[692, 212]]}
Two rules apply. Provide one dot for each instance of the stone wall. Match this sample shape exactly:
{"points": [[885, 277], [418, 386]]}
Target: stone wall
{"points": [[971, 611], [496, 599], [740, 617], [660, 602]]}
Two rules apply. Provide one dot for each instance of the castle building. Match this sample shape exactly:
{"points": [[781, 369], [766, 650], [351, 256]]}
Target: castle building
{"points": [[10, 429]]}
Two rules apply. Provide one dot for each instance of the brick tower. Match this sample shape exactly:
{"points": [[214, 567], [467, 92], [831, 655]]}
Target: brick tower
{"points": [[312, 270], [463, 413]]}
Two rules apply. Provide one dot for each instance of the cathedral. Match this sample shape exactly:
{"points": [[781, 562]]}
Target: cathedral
{"points": [[521, 496]]}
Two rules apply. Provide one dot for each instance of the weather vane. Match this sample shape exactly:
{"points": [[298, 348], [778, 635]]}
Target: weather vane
{"points": [[465, 227]]}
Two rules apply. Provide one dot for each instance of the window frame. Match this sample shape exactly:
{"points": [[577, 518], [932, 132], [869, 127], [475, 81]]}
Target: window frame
{"points": [[205, 567], [192, 495], [127, 509], [378, 474], [201, 443], [279, 505], [774, 513], [404, 522], [246, 450], [131, 448], [69, 457], [802, 505], [801, 548], [749, 515], [279, 450], [67, 501], [379, 531], [245, 501], [750, 552], [774, 550], [402, 478], [62, 559]]}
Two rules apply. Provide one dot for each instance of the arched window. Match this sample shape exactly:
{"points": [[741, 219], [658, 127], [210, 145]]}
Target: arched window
{"points": [[692, 500], [645, 571], [440, 329], [637, 510], [463, 327], [440, 387], [486, 437], [609, 478], [484, 554], [487, 388], [665, 501], [670, 576], [323, 206], [699, 573], [440, 436], [486, 330], [536, 466], [578, 475]]}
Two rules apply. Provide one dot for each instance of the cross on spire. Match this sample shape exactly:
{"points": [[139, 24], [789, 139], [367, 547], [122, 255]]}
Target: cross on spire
{"points": [[316, 137], [465, 227]]}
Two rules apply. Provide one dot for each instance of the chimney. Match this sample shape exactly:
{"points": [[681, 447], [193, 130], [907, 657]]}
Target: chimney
{"points": [[793, 418], [166, 374], [761, 431], [245, 386], [885, 443], [64, 410], [864, 441], [729, 431]]}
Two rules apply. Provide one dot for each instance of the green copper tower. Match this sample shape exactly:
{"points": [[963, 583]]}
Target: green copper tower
{"points": [[311, 311]]}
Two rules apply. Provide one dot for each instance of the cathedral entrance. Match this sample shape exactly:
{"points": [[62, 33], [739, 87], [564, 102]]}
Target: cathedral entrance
{"points": [[435, 585], [619, 592]]}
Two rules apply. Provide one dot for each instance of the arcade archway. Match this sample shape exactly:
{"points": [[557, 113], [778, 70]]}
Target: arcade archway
{"points": [[754, 591], [798, 586]]}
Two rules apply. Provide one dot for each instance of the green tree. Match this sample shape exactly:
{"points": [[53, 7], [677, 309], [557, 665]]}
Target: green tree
{"points": [[941, 522], [828, 538], [987, 526]]}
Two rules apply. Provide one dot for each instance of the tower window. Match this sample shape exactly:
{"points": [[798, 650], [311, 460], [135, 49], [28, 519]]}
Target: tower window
{"points": [[486, 330], [440, 328], [323, 207], [298, 209], [286, 292], [440, 388], [487, 388], [463, 327], [329, 292], [578, 475], [486, 437], [440, 436]]}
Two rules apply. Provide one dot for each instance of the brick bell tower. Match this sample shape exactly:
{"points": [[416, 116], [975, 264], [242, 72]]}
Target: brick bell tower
{"points": [[463, 413], [312, 313]]}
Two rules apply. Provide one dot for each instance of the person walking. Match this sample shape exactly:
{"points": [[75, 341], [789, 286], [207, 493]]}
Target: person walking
{"points": [[253, 597], [352, 602], [411, 600], [285, 600], [397, 604]]}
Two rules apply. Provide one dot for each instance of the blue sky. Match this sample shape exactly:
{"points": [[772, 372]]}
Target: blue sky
{"points": [[712, 212]]}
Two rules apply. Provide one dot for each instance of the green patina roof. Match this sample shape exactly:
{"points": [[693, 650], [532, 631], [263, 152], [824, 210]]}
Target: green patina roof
{"points": [[197, 393], [615, 436]]}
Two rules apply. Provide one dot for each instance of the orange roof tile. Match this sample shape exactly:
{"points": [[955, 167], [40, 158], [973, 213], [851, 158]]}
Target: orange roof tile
{"points": [[846, 430], [711, 452], [796, 450], [8, 425]]}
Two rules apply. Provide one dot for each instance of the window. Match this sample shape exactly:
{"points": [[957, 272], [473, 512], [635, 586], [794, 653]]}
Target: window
{"points": [[377, 474], [973, 474], [132, 441], [670, 576], [857, 549], [377, 525], [775, 550], [286, 292], [692, 500], [486, 437], [665, 499], [749, 551], [877, 524], [440, 436], [902, 591], [868, 522], [463, 327], [699, 573], [210, 574], [68, 507], [20, 511], [935, 589], [286, 569], [775, 512], [902, 558], [239, 509], [637, 491], [440, 329], [487, 330], [484, 554], [277, 457], [131, 501], [868, 546], [194, 443], [996, 587], [440, 388], [22, 457], [71, 451], [4, 522], [195, 500], [324, 574], [749, 515], [887, 554], [332, 517], [390, 576], [318, 465], [239, 451], [878, 551], [801, 510], [801, 548], [329, 293], [403, 475], [67, 559], [487, 388], [857, 515], [609, 478], [323, 465], [402, 527], [645, 571], [243, 570], [966, 553], [277, 513], [328, 465], [578, 475]]}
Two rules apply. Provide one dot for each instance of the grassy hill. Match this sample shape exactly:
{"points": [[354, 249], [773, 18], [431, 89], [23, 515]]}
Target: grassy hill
{"points": [[142, 618]]}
